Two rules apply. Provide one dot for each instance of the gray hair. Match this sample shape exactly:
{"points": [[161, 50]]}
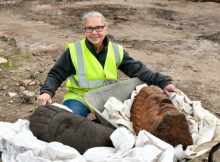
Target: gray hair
{"points": [[94, 14]]}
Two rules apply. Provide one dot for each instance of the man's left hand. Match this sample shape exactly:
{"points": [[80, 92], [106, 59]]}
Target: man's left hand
{"points": [[170, 88]]}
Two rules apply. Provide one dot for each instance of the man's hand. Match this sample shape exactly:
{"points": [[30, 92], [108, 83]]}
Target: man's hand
{"points": [[170, 88], [43, 99]]}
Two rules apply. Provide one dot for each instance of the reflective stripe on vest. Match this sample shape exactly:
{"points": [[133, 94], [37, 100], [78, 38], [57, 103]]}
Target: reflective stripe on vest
{"points": [[116, 52], [82, 78]]}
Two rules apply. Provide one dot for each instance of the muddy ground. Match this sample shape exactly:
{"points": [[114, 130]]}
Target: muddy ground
{"points": [[178, 38]]}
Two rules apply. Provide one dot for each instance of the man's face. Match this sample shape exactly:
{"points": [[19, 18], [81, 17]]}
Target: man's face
{"points": [[95, 30]]}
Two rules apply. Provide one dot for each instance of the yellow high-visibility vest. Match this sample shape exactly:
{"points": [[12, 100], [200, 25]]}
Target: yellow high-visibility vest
{"points": [[89, 72]]}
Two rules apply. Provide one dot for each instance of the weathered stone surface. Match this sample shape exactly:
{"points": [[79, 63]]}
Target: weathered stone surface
{"points": [[50, 123], [153, 111]]}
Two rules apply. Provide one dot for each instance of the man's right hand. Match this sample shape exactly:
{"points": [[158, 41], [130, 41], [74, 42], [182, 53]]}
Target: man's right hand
{"points": [[43, 99]]}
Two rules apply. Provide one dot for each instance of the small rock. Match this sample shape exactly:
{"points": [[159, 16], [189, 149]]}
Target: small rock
{"points": [[28, 69], [3, 60], [28, 97], [12, 94], [28, 93], [32, 83], [21, 88], [31, 110], [195, 70], [25, 82]]}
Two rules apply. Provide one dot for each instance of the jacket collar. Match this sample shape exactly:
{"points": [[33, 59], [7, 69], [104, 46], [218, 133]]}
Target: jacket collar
{"points": [[91, 47]]}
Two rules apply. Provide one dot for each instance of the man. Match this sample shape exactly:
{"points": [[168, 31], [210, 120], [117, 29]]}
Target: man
{"points": [[92, 63]]}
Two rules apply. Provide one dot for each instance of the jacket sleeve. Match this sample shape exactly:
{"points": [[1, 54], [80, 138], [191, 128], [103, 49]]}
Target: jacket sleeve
{"points": [[62, 69], [133, 68]]}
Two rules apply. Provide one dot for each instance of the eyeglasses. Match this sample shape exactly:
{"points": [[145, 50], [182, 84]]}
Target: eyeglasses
{"points": [[89, 29]]}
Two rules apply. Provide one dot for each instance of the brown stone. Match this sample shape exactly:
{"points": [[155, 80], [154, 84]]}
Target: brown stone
{"points": [[154, 112]]}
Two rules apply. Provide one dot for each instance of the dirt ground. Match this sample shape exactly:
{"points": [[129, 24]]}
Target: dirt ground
{"points": [[178, 38]]}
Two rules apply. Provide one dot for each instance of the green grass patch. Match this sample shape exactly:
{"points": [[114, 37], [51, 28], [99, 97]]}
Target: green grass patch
{"points": [[15, 58]]}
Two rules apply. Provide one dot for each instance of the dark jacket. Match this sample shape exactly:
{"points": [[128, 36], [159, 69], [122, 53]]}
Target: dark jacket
{"points": [[63, 68]]}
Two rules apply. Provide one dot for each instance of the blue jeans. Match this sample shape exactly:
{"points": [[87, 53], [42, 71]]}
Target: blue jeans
{"points": [[77, 107]]}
